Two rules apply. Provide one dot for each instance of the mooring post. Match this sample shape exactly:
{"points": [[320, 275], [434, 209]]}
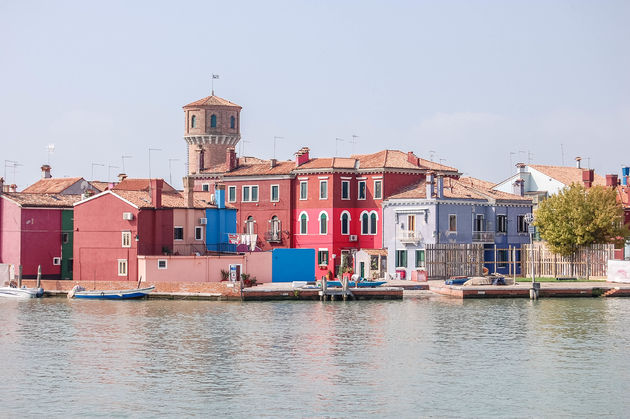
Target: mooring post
{"points": [[344, 287], [324, 288], [39, 276], [19, 279]]}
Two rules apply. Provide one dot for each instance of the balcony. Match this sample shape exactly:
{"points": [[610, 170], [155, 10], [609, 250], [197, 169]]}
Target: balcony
{"points": [[409, 236], [483, 236], [273, 236]]}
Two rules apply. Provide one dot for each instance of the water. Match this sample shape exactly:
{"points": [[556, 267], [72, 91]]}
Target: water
{"points": [[428, 356]]}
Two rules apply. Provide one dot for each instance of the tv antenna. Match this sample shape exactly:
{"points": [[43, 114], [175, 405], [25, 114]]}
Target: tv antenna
{"points": [[274, 144], [51, 149], [243, 147], [337, 140], [431, 154], [562, 152], [354, 141], [123, 157], [109, 168], [13, 164], [512, 153], [170, 178], [214, 76], [96, 164]]}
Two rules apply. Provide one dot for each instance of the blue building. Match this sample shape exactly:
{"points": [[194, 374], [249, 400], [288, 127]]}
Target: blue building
{"points": [[455, 211], [221, 222]]}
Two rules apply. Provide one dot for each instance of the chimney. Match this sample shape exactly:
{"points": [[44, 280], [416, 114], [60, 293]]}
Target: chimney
{"points": [[1, 185], [411, 158], [625, 173], [219, 195], [302, 156], [429, 185], [440, 186], [520, 167], [122, 176], [13, 188], [189, 196], [518, 187], [612, 181], [46, 172], [156, 192], [587, 177], [273, 163], [578, 162], [230, 159]]}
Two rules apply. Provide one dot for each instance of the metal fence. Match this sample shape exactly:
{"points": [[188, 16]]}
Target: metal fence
{"points": [[586, 262]]}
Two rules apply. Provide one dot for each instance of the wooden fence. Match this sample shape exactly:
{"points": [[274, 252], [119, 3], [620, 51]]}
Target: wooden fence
{"points": [[446, 260], [586, 262]]}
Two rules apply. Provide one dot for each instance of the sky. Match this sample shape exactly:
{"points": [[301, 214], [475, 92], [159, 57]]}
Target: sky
{"points": [[477, 85]]}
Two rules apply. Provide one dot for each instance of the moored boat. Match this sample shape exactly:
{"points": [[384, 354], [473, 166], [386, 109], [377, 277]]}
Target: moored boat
{"points": [[80, 292], [23, 293]]}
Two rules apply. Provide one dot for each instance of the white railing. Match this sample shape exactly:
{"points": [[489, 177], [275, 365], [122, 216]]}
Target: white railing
{"points": [[409, 236], [483, 236]]}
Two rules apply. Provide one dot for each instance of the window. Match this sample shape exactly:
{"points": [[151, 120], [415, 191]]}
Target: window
{"points": [[373, 219], [452, 222], [303, 189], [231, 193], [254, 193], [411, 223], [213, 121], [65, 238], [126, 239], [275, 193], [362, 192], [245, 194], [178, 233], [323, 189], [345, 222], [70, 265], [205, 187], [502, 258], [193, 122], [232, 122], [501, 223], [365, 223], [274, 228], [378, 189], [401, 258], [323, 223], [198, 233], [420, 262], [521, 224], [162, 263], [322, 257], [250, 225], [303, 223], [345, 189], [478, 223], [250, 194], [122, 267]]}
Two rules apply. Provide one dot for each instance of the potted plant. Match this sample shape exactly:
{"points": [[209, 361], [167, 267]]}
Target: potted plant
{"points": [[225, 275]]}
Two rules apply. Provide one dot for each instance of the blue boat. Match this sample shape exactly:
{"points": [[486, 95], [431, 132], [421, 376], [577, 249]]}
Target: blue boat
{"points": [[78, 292], [353, 284], [456, 281]]}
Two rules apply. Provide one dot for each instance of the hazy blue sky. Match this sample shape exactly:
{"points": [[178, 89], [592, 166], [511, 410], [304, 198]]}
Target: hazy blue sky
{"points": [[468, 82]]}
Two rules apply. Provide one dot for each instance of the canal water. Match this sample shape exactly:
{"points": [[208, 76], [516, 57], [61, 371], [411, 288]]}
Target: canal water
{"points": [[423, 356]]}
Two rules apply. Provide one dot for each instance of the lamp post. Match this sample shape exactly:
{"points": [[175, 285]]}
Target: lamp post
{"points": [[533, 292]]}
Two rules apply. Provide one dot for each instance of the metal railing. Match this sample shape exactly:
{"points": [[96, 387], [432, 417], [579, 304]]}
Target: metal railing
{"points": [[483, 236], [409, 236], [273, 236]]}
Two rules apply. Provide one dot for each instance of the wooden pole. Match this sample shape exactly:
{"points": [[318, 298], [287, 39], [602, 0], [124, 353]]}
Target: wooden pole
{"points": [[19, 281], [39, 276]]}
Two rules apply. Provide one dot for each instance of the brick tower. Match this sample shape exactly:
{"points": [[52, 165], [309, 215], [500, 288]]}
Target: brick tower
{"points": [[212, 125]]}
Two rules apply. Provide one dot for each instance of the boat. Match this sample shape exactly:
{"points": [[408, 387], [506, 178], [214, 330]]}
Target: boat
{"points": [[23, 293], [354, 284], [80, 292]]}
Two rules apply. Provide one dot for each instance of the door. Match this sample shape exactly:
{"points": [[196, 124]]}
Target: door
{"points": [[362, 269]]}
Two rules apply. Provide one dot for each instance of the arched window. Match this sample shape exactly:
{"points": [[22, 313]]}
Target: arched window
{"points": [[193, 122], [345, 222], [232, 122], [213, 121], [323, 223], [303, 223], [365, 223], [250, 225], [373, 223]]}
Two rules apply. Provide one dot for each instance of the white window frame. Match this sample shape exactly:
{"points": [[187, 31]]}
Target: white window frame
{"points": [[319, 222], [520, 222], [200, 229], [123, 267], [165, 264], [126, 238], [347, 197], [359, 190], [205, 187], [449, 223], [341, 222], [476, 219], [367, 232], [176, 227], [322, 183], [304, 182], [320, 251], [375, 232], [271, 193], [300, 223], [254, 187], [380, 181], [231, 188], [249, 197]]}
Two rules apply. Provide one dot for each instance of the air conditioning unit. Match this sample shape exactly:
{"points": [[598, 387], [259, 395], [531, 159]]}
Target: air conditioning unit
{"points": [[353, 237], [56, 261], [127, 216], [203, 221]]}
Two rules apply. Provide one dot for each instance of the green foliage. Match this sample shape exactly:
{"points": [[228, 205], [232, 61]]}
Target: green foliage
{"points": [[579, 217]]}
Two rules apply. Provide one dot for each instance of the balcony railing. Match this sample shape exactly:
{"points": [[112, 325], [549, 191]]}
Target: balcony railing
{"points": [[409, 236], [273, 236], [483, 236]]}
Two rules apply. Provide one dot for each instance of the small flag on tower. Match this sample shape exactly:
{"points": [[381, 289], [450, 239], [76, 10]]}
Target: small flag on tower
{"points": [[215, 76]]}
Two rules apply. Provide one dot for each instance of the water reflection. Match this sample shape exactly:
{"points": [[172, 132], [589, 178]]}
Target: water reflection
{"points": [[427, 356]]}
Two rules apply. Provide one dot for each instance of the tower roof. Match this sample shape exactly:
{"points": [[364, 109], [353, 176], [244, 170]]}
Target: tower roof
{"points": [[212, 101]]}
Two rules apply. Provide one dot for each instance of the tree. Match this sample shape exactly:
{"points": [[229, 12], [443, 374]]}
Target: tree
{"points": [[579, 217]]}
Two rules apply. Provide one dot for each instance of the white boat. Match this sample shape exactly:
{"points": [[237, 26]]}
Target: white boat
{"points": [[11, 292]]}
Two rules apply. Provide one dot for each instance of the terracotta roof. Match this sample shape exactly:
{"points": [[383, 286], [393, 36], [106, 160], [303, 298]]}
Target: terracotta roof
{"points": [[142, 199], [375, 252], [464, 188], [328, 163], [130, 184], [396, 159], [52, 185], [212, 101], [41, 199], [281, 168], [567, 175], [622, 195], [101, 186]]}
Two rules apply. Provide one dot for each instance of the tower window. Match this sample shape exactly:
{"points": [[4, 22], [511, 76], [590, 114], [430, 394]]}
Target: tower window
{"points": [[193, 122], [213, 121], [232, 122]]}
